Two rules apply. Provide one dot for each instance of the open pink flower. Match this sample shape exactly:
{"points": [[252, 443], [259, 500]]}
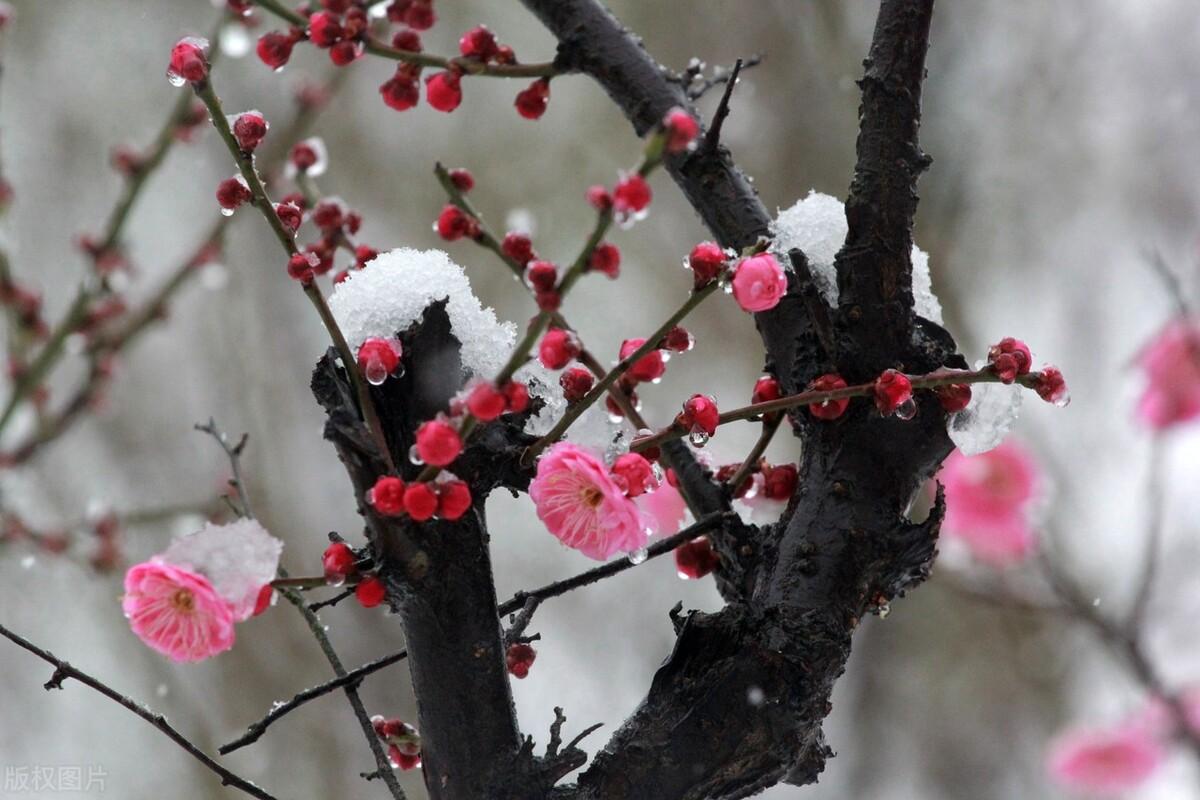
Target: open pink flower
{"points": [[582, 506], [987, 502], [1171, 363], [1105, 762], [177, 612]]}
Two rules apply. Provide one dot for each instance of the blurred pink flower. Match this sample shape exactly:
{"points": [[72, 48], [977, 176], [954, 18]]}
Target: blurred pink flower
{"points": [[664, 508], [582, 506], [1105, 762], [1171, 362], [987, 502], [176, 612]]}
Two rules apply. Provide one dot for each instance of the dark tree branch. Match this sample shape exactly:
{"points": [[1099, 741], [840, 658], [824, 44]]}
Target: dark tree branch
{"points": [[738, 705], [696, 85], [64, 671], [875, 264], [713, 137]]}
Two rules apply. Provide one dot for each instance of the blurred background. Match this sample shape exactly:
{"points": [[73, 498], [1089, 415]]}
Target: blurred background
{"points": [[1064, 146]]}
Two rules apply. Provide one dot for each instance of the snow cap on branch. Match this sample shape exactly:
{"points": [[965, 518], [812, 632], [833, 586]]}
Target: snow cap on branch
{"points": [[817, 225], [393, 291]]}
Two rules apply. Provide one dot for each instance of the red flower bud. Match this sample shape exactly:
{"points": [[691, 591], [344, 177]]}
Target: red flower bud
{"points": [[275, 48], [766, 388], [557, 348], [1052, 387], [531, 102], [954, 397], [707, 260], [680, 129], [606, 258], [576, 382], [649, 367], [599, 198], [542, 275], [485, 401], [1009, 358], [387, 496], [462, 179], [370, 592], [633, 473], [338, 563], [420, 501], [699, 416], [829, 409], [438, 443], [893, 394], [518, 247], [454, 498], [519, 658], [189, 61], [443, 90], [695, 559]]}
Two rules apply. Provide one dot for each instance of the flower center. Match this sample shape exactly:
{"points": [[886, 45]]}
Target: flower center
{"points": [[183, 601], [592, 497]]}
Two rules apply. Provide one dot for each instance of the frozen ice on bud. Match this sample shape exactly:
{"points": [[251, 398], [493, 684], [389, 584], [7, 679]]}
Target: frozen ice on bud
{"points": [[766, 388], [443, 90], [462, 179], [438, 442], [387, 496], [954, 397], [420, 501], [485, 401], [630, 199], [370, 592], [679, 340], [249, 128], [531, 102], [378, 358], [289, 215], [906, 410], [576, 382], [634, 474], [557, 348], [695, 559], [454, 498], [478, 43], [453, 223], [233, 192], [599, 198], [649, 367], [407, 40], [302, 266], [707, 261], [700, 417], [681, 130], [1052, 387], [542, 275], [606, 258], [275, 48], [891, 391], [324, 29], [309, 157], [337, 563], [518, 246], [1010, 358], [189, 61], [519, 658], [400, 92]]}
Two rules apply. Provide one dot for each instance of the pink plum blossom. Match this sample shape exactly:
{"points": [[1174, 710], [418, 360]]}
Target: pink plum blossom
{"points": [[1171, 363], [582, 506], [759, 283], [664, 509], [176, 611], [987, 502], [1105, 762]]}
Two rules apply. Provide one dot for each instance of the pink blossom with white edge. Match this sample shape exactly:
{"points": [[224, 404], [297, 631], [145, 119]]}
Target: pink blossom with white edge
{"points": [[238, 559], [759, 283], [988, 499], [176, 611], [1105, 763], [582, 506], [1171, 363]]}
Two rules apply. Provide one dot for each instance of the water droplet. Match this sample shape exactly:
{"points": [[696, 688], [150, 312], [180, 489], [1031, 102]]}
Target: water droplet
{"points": [[755, 696], [639, 555], [906, 410], [376, 372], [415, 457], [656, 381], [175, 78], [1063, 400], [226, 212], [698, 437]]}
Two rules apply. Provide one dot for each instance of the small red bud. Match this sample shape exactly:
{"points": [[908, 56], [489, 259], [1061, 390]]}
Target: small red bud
{"points": [[443, 90], [478, 43], [599, 198], [542, 275], [681, 130], [576, 382], [557, 348], [233, 192], [649, 367], [518, 246], [606, 258], [454, 498], [462, 179], [519, 658], [485, 401], [453, 223], [531, 102], [893, 392], [695, 559], [387, 496], [338, 563], [516, 395], [249, 129], [830, 409], [438, 443], [766, 388], [699, 415], [370, 592], [408, 41], [707, 260], [420, 501], [189, 61], [324, 29], [954, 397], [275, 49]]}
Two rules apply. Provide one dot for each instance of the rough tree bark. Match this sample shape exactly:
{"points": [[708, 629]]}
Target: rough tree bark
{"points": [[739, 703]]}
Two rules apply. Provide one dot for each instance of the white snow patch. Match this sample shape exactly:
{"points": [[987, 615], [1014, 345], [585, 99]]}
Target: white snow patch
{"points": [[239, 559], [395, 288], [984, 423], [817, 225]]}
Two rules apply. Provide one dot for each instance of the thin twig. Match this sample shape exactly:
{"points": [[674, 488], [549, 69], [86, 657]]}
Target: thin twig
{"points": [[1154, 533], [750, 462], [713, 137], [513, 604], [64, 671]]}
